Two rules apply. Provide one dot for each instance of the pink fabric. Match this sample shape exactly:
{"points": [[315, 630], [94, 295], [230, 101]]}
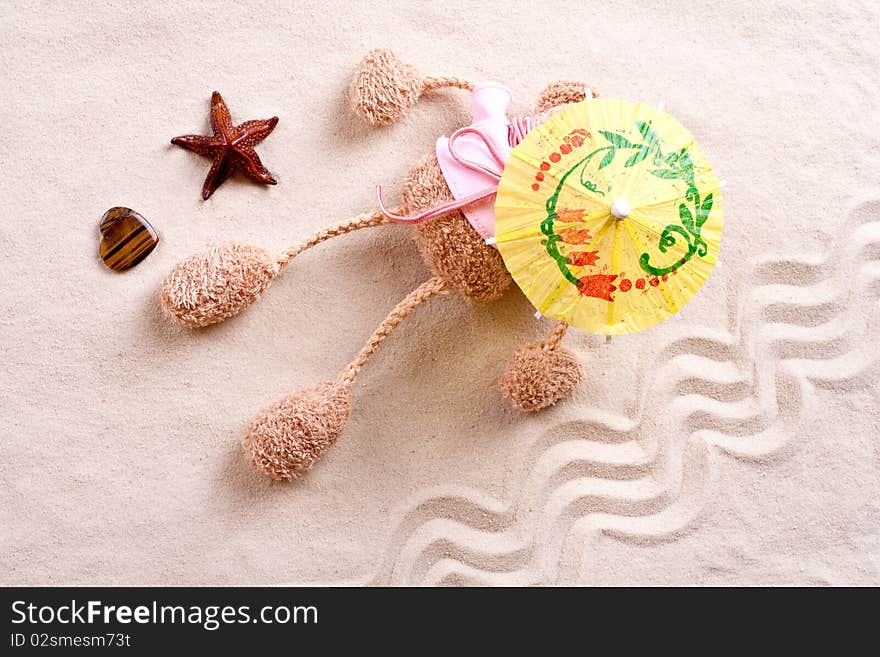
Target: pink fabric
{"points": [[474, 171], [490, 102]]}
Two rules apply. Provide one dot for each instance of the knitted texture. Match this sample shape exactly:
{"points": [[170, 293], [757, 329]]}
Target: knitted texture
{"points": [[434, 83], [562, 93], [217, 283], [288, 437], [449, 244], [384, 88], [540, 374], [555, 337]]}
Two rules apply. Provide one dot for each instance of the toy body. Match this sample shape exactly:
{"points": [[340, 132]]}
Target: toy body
{"points": [[450, 245], [289, 436]]}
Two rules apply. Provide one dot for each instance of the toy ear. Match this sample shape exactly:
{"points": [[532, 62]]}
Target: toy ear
{"points": [[561, 93], [385, 88]]}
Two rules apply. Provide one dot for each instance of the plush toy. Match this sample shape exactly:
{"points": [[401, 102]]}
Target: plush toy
{"points": [[448, 200]]}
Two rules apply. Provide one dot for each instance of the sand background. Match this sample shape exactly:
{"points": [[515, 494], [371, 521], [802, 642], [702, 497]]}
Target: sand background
{"points": [[738, 445]]}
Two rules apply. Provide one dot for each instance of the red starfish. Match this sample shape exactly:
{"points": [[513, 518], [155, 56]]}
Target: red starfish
{"points": [[230, 147]]}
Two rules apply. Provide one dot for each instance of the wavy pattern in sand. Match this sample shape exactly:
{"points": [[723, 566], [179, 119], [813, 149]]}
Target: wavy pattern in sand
{"points": [[647, 479]]}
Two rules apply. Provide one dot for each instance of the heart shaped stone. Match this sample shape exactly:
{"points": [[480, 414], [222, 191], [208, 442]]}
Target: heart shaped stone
{"points": [[126, 238]]}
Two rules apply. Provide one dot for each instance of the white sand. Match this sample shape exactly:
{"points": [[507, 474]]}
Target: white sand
{"points": [[738, 445]]}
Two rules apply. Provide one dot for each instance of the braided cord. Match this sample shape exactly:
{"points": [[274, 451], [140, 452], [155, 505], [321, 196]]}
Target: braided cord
{"points": [[430, 288], [365, 220], [555, 337], [432, 83]]}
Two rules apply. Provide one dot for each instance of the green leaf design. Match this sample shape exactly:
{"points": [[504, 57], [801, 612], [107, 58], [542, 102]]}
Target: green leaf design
{"points": [[640, 155], [644, 128], [589, 184], [664, 173], [705, 209], [609, 157], [686, 217], [685, 161], [617, 140]]}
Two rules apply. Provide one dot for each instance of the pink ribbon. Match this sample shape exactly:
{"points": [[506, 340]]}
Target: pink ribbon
{"points": [[517, 129]]}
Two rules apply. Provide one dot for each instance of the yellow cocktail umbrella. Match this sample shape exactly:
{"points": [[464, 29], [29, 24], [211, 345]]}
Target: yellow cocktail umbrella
{"points": [[608, 216]]}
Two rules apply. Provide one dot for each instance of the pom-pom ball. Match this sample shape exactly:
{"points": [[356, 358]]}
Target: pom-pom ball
{"points": [[217, 283], [538, 377], [288, 437]]}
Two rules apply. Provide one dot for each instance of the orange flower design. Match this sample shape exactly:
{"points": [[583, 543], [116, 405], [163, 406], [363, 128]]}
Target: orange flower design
{"points": [[570, 215], [582, 258], [575, 236], [598, 286]]}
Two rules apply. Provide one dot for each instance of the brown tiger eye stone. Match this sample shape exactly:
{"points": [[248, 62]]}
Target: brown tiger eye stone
{"points": [[126, 238]]}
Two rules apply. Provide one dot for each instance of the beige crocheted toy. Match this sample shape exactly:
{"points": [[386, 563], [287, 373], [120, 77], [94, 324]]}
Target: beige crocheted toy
{"points": [[289, 436]]}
